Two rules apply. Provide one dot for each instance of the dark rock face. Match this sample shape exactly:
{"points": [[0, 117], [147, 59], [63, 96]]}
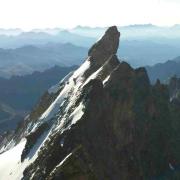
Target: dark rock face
{"points": [[174, 88], [105, 47], [125, 133], [32, 139], [104, 50]]}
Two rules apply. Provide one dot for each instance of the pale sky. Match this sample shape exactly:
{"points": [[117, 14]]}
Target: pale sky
{"points": [[28, 14]]}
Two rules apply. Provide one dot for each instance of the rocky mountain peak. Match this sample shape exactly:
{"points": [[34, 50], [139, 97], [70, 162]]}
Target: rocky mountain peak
{"points": [[106, 46], [105, 121]]}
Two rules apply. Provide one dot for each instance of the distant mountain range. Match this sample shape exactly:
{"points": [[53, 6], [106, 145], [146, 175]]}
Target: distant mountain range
{"points": [[164, 71], [27, 59], [85, 36], [141, 45], [20, 93], [143, 52], [132, 32], [41, 38]]}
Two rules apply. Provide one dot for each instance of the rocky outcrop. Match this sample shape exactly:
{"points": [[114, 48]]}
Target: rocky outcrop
{"points": [[174, 89], [105, 47], [32, 138]]}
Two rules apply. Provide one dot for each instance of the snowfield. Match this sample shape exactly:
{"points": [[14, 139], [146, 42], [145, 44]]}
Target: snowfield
{"points": [[10, 163]]}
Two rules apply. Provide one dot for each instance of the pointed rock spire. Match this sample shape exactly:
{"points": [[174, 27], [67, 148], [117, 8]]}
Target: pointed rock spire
{"points": [[106, 46]]}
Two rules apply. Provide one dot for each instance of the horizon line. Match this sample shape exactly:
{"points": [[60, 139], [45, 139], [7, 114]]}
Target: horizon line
{"points": [[86, 26]]}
